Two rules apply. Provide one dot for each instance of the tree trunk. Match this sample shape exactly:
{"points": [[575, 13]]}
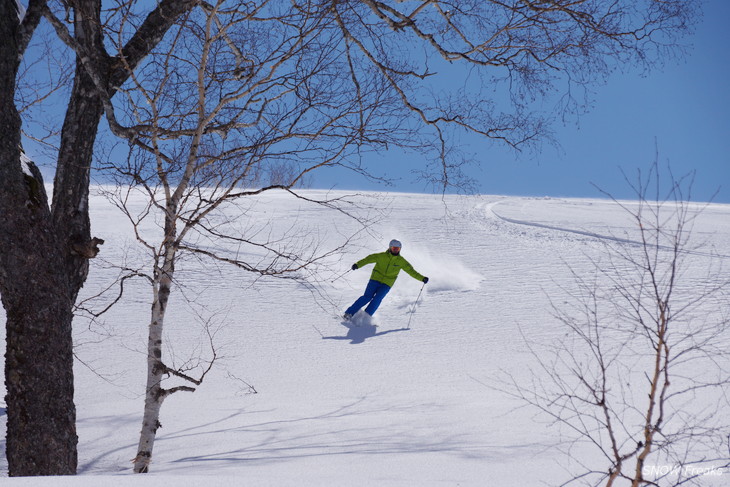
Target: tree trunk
{"points": [[41, 415], [151, 418], [43, 266], [41, 432], [155, 394], [37, 297]]}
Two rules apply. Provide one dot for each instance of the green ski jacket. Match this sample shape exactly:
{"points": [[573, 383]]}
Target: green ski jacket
{"points": [[387, 267]]}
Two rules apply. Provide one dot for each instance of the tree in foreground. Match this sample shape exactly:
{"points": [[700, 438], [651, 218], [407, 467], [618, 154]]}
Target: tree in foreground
{"points": [[369, 68], [45, 248], [638, 384]]}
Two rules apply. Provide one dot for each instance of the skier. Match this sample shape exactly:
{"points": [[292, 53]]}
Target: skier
{"points": [[387, 266]]}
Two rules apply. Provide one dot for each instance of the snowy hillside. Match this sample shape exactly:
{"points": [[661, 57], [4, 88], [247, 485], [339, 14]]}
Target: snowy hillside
{"points": [[335, 405]]}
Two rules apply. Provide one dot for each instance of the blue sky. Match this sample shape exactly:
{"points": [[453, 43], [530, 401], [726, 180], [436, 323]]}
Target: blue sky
{"points": [[681, 112]]}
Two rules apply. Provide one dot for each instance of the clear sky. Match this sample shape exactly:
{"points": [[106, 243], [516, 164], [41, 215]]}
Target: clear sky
{"points": [[682, 111]]}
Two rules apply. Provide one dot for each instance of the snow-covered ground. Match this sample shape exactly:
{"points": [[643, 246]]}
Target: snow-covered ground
{"points": [[378, 404]]}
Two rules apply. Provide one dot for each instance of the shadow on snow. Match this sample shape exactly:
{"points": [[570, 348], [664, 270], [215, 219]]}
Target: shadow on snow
{"points": [[358, 332]]}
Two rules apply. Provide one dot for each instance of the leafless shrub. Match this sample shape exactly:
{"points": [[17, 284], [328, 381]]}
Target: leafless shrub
{"points": [[637, 386]]}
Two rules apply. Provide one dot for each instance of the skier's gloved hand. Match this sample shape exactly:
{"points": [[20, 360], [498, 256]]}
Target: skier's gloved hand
{"points": [[425, 280], [354, 267]]}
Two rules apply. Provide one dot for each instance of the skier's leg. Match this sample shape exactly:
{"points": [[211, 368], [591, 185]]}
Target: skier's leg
{"points": [[380, 293], [364, 299]]}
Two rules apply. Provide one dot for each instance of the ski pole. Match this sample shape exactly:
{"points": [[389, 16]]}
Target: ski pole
{"points": [[341, 276], [415, 306]]}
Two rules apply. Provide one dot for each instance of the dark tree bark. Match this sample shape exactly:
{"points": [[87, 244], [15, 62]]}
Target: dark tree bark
{"points": [[35, 291], [44, 251]]}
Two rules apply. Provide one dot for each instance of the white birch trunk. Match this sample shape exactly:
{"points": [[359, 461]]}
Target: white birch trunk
{"points": [[155, 394]]}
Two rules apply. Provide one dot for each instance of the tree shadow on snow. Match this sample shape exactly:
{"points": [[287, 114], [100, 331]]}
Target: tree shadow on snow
{"points": [[358, 332], [329, 433]]}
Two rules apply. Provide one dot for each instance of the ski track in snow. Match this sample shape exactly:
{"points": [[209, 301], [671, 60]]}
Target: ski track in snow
{"points": [[382, 403], [591, 234]]}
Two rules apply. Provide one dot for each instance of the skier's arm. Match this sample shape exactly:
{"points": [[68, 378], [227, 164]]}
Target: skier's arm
{"points": [[411, 271], [370, 259]]}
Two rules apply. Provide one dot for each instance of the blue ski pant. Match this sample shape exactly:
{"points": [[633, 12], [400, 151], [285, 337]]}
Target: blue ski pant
{"points": [[374, 294]]}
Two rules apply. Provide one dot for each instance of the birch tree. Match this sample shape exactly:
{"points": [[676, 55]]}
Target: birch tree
{"points": [[234, 105]]}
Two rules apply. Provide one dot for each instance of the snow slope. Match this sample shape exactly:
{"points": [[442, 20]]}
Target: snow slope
{"points": [[377, 404]]}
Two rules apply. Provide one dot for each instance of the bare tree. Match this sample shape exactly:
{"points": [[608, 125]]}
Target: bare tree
{"points": [[210, 128], [639, 379], [44, 248]]}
